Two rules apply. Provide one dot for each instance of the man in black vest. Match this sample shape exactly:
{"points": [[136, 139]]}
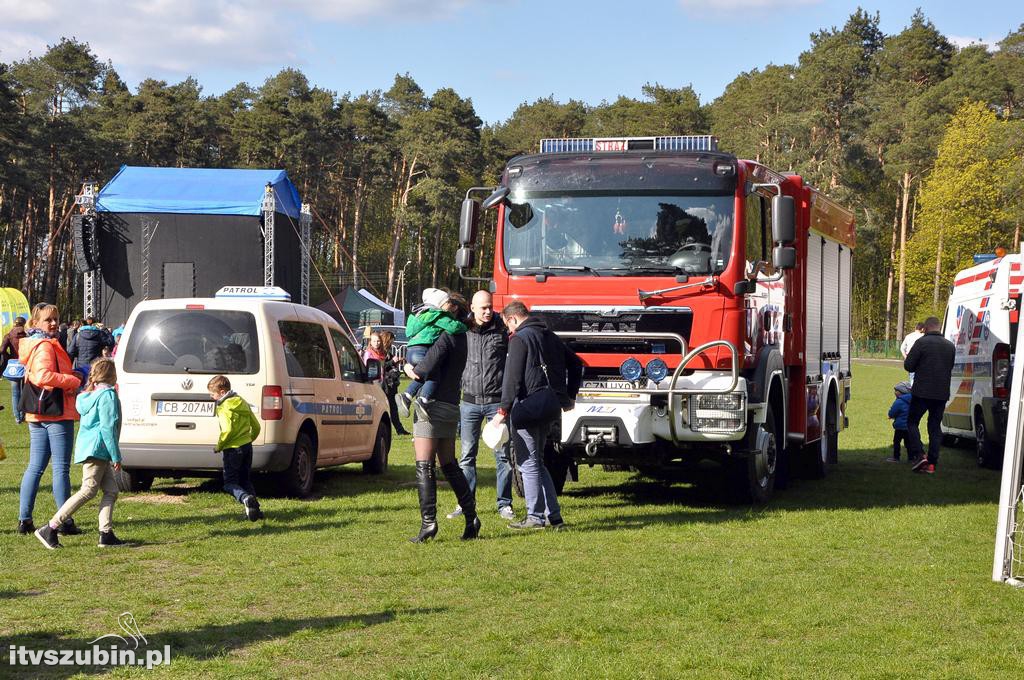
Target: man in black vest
{"points": [[487, 347], [542, 377], [931, 362]]}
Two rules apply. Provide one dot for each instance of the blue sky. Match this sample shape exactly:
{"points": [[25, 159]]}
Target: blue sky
{"points": [[500, 54]]}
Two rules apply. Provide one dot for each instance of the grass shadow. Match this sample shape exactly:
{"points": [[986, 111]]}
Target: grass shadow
{"points": [[199, 644]]}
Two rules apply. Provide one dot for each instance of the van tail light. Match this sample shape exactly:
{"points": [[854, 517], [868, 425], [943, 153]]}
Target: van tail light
{"points": [[1001, 371], [272, 404]]}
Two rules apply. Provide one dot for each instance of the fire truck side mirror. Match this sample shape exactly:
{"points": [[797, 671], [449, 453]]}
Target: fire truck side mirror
{"points": [[784, 257], [499, 195], [783, 229], [468, 221], [464, 258]]}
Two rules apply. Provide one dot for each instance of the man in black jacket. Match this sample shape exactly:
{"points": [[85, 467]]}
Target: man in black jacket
{"points": [[487, 347], [538, 364], [931, 361], [89, 343]]}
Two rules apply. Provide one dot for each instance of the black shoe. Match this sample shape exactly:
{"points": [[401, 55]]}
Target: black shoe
{"points": [[109, 540], [467, 500], [528, 523], [48, 537], [25, 526], [426, 486], [558, 524], [252, 508], [402, 401], [420, 406], [69, 528]]}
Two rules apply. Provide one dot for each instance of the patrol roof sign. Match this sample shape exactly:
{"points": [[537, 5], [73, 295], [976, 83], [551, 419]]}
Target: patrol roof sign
{"points": [[261, 292]]}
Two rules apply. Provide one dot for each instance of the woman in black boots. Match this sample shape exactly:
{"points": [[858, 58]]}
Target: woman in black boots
{"points": [[435, 429]]}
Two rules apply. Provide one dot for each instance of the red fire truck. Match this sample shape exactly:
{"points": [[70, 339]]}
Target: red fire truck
{"points": [[708, 296]]}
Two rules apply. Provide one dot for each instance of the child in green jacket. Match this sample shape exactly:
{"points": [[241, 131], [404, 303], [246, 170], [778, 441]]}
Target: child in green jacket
{"points": [[238, 429], [98, 451], [423, 328]]}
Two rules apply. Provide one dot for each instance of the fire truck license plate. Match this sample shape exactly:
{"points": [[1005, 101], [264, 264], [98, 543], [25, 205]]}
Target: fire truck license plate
{"points": [[606, 384]]}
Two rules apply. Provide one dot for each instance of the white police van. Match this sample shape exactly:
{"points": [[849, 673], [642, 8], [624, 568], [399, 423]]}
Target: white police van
{"points": [[316, 401]]}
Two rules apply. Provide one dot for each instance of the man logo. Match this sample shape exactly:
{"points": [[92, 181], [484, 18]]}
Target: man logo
{"points": [[599, 327], [186, 384]]}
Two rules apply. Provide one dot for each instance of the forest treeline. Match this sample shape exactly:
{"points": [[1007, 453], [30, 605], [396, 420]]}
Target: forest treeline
{"points": [[923, 140]]}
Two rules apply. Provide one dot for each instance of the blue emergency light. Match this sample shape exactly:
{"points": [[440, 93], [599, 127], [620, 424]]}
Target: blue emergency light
{"points": [[599, 144]]}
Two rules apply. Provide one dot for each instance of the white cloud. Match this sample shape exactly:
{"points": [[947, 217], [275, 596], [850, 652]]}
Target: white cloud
{"points": [[962, 41], [174, 38]]}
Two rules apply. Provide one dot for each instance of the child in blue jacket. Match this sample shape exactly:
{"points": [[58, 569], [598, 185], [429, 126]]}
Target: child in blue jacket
{"points": [[98, 451], [898, 415]]}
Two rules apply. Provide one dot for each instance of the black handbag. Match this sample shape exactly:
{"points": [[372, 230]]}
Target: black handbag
{"points": [[42, 401], [538, 408]]}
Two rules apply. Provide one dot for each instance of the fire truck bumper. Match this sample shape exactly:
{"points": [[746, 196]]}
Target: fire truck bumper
{"points": [[705, 411]]}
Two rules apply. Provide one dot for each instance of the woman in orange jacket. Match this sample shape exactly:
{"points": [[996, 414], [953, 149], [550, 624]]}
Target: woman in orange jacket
{"points": [[48, 365]]}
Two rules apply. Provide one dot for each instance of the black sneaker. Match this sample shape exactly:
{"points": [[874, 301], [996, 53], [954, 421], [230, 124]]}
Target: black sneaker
{"points": [[528, 523], [109, 540], [252, 508], [402, 401], [69, 528], [558, 524], [48, 537], [921, 465], [421, 405], [25, 526]]}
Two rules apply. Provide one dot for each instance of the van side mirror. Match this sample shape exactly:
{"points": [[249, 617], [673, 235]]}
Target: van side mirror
{"points": [[783, 228], [784, 257], [468, 221], [465, 258], [372, 370]]}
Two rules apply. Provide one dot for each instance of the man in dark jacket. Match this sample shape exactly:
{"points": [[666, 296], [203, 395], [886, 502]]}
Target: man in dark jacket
{"points": [[487, 347], [537, 361], [931, 361], [89, 343]]}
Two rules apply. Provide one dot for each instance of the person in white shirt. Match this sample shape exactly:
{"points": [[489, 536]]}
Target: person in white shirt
{"points": [[911, 338], [909, 341]]}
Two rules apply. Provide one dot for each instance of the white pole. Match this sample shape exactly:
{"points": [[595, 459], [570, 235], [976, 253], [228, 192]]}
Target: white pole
{"points": [[1006, 521]]}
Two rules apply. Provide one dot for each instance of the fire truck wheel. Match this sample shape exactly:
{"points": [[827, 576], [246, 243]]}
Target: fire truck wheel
{"points": [[752, 477], [557, 465]]}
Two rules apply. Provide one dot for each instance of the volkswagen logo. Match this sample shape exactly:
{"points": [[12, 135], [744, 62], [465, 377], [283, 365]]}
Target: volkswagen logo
{"points": [[186, 384]]}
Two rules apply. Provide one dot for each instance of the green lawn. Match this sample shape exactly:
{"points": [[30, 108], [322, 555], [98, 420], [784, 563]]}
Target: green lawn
{"points": [[873, 571]]}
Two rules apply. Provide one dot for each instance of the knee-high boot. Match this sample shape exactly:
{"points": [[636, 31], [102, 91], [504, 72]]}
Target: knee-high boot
{"points": [[467, 500], [426, 484]]}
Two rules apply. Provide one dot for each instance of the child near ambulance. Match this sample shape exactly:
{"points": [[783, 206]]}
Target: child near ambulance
{"points": [[238, 429], [898, 413], [97, 450]]}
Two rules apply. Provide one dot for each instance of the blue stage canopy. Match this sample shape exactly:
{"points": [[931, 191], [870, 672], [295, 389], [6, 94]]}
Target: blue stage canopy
{"points": [[196, 191]]}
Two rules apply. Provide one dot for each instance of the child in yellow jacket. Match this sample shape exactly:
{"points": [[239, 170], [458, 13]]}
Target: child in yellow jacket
{"points": [[238, 429]]}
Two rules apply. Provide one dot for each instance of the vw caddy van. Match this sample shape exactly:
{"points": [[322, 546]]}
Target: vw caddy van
{"points": [[318, 405]]}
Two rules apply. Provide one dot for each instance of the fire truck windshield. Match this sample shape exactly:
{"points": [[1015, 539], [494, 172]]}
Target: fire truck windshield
{"points": [[586, 234]]}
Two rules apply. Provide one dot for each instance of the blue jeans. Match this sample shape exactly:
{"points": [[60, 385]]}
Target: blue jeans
{"points": [[19, 417], [472, 418], [237, 466], [46, 442], [425, 389], [539, 489]]}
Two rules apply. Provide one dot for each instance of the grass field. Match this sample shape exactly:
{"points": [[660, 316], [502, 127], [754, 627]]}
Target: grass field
{"points": [[871, 572]]}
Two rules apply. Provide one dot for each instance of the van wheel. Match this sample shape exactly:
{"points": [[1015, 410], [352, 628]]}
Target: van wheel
{"points": [[297, 480], [988, 455], [377, 464], [133, 480]]}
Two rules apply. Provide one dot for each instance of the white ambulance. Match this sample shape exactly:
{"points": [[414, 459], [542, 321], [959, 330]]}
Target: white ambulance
{"points": [[317, 403], [981, 320]]}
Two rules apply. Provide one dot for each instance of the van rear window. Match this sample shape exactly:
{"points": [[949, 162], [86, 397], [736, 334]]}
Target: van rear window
{"points": [[193, 341]]}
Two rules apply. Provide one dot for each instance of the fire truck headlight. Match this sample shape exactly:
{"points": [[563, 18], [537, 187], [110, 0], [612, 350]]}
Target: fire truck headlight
{"points": [[657, 369], [631, 370]]}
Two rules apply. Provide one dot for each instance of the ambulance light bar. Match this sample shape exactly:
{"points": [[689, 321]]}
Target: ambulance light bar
{"points": [[593, 144], [261, 292]]}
